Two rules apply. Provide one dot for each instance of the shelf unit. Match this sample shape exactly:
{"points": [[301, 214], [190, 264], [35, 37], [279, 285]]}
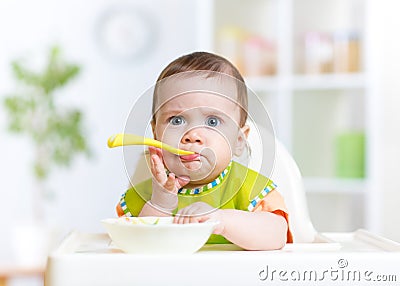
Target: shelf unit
{"points": [[309, 109]]}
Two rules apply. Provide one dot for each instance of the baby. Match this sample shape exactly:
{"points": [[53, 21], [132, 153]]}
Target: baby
{"points": [[200, 105]]}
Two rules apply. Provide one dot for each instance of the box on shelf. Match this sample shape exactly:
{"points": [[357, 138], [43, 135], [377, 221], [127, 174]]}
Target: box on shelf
{"points": [[350, 155]]}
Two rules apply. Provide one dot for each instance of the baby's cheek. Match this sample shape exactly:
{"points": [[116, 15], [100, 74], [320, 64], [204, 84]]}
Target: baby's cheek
{"points": [[169, 160], [224, 149], [169, 137]]}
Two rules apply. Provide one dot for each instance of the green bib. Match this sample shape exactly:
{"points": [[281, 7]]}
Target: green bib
{"points": [[240, 189]]}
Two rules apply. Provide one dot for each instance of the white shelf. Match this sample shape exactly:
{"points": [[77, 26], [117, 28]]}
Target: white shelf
{"points": [[334, 185], [308, 110], [308, 82], [329, 81], [262, 83]]}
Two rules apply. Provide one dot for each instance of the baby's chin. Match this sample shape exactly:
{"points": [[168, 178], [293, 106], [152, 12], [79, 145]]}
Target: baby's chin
{"points": [[198, 176], [192, 166], [198, 172]]}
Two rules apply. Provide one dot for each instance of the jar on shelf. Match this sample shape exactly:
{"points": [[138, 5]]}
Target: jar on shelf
{"points": [[259, 56], [346, 52], [318, 53], [350, 154], [230, 41]]}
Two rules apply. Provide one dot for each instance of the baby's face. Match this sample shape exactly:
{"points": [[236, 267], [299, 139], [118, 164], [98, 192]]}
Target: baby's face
{"points": [[205, 123]]}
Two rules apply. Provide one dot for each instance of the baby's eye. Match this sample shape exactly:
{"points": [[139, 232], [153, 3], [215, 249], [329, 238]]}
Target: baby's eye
{"points": [[176, 120], [213, 121]]}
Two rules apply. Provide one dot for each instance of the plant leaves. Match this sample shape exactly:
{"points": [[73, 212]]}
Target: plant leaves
{"points": [[57, 132]]}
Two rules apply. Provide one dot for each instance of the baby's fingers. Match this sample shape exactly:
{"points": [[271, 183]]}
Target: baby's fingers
{"points": [[157, 169], [187, 215], [170, 184], [155, 151]]}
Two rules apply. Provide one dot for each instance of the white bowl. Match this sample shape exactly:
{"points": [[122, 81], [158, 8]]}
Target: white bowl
{"points": [[157, 235]]}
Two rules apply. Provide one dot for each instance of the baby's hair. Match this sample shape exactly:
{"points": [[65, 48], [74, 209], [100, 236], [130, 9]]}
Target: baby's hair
{"points": [[212, 63]]}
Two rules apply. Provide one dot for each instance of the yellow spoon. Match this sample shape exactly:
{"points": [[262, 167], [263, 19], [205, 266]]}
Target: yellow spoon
{"points": [[131, 139]]}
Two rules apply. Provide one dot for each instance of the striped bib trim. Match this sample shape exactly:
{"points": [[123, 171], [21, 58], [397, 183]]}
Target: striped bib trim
{"points": [[207, 187]]}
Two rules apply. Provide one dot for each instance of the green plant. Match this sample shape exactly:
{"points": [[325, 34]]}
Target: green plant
{"points": [[33, 109]]}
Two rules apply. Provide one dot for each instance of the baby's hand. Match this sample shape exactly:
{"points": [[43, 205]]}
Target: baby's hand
{"points": [[200, 212], [165, 188]]}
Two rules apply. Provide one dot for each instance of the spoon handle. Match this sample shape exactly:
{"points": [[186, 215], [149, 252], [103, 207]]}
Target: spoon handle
{"points": [[132, 139]]}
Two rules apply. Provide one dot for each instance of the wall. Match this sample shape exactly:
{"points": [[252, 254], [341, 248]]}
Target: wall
{"points": [[385, 23], [105, 90]]}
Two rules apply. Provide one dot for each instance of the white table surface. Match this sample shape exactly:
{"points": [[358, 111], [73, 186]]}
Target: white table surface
{"points": [[357, 258]]}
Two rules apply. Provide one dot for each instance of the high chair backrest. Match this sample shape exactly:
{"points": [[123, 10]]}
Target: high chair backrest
{"points": [[286, 176]]}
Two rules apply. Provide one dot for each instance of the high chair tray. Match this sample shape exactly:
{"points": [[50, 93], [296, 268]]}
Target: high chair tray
{"points": [[356, 258]]}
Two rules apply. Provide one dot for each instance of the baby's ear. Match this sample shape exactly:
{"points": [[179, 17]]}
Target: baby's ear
{"points": [[241, 140], [153, 128]]}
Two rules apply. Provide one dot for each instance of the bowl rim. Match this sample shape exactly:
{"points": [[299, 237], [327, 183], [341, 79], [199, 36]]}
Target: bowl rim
{"points": [[114, 222]]}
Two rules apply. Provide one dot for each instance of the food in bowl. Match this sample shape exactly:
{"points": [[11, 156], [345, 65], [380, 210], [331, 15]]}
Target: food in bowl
{"points": [[157, 235]]}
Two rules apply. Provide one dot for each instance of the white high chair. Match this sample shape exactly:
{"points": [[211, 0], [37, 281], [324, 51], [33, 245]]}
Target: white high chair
{"points": [[356, 258]]}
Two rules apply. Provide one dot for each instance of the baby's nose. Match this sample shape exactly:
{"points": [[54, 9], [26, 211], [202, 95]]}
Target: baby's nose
{"points": [[193, 136]]}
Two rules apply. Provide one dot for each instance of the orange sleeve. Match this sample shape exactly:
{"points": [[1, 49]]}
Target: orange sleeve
{"points": [[120, 211], [273, 202]]}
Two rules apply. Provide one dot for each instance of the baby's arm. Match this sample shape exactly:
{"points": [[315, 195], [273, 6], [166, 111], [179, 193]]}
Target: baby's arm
{"points": [[250, 230], [254, 230], [164, 198]]}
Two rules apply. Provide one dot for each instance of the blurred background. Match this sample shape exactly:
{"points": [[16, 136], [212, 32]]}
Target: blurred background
{"points": [[326, 71]]}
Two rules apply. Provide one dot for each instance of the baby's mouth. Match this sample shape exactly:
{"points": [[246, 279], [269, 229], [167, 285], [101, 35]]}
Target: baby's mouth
{"points": [[191, 157]]}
